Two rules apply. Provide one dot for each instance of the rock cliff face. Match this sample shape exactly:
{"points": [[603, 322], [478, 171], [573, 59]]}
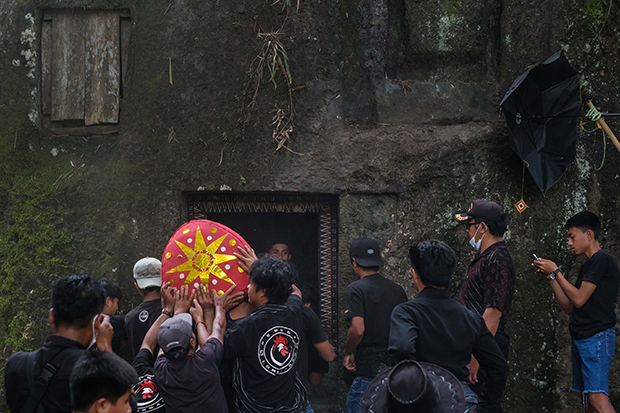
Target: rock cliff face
{"points": [[396, 111]]}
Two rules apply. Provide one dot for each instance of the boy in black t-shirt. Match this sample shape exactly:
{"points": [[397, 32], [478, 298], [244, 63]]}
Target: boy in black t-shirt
{"points": [[590, 303]]}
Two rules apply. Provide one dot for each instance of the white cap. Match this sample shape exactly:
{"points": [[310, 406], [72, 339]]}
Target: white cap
{"points": [[147, 272]]}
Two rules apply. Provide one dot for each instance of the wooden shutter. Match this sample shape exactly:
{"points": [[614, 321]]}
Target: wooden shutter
{"points": [[81, 65]]}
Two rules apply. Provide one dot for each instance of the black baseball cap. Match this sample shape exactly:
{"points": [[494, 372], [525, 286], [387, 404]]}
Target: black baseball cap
{"points": [[174, 335], [366, 252], [482, 209]]}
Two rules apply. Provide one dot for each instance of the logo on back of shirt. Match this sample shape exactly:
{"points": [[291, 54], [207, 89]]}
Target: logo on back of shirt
{"points": [[277, 350], [143, 316], [148, 397]]}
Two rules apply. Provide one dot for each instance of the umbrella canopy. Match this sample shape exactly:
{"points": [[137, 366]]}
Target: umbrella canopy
{"points": [[542, 109]]}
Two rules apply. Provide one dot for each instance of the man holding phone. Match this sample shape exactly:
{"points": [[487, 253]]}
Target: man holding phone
{"points": [[489, 286], [591, 305]]}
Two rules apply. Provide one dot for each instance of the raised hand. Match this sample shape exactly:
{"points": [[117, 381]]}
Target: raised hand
{"points": [[227, 301], [246, 258], [204, 298], [196, 311], [168, 297], [184, 300], [104, 331]]}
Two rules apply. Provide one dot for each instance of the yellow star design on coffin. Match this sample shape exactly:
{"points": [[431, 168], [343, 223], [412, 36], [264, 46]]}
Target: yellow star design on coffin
{"points": [[202, 261]]}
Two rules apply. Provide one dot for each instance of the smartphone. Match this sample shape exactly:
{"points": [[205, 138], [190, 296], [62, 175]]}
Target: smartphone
{"points": [[534, 257]]}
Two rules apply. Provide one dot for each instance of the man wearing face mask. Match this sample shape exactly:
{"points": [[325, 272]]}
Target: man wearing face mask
{"points": [[42, 377], [489, 286]]}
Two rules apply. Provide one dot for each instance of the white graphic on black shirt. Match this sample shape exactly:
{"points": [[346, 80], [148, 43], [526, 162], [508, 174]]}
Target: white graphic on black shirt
{"points": [[143, 316], [277, 350], [147, 394]]}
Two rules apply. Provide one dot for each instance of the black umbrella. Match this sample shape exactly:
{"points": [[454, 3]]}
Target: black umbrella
{"points": [[542, 109]]}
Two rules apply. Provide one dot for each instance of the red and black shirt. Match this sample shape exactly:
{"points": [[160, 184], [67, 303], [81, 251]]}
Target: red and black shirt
{"points": [[490, 282]]}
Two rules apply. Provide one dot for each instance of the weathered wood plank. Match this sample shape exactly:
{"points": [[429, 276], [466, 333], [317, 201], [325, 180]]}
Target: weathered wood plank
{"points": [[102, 62], [125, 37], [46, 66], [67, 64]]}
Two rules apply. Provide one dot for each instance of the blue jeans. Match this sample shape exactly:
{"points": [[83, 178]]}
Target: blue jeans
{"points": [[592, 361], [471, 398], [309, 408], [357, 390]]}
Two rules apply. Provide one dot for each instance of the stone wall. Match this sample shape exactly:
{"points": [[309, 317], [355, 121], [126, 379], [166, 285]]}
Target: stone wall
{"points": [[397, 112]]}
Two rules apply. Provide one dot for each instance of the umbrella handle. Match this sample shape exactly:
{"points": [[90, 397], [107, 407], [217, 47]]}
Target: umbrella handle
{"points": [[608, 131]]}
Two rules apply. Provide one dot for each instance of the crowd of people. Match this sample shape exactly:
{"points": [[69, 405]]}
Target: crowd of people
{"points": [[258, 352]]}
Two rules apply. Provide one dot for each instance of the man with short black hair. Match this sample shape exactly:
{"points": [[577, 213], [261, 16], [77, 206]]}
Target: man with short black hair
{"points": [[436, 329], [101, 382], [488, 288], [113, 295], [147, 279], [77, 324], [369, 302], [591, 305], [280, 250], [266, 343]]}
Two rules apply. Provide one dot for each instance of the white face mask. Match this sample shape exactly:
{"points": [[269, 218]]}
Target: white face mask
{"points": [[476, 244], [94, 340]]}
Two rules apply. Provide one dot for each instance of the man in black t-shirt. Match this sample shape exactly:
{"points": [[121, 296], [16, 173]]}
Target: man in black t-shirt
{"points": [[266, 343], [369, 302], [113, 296], [315, 348], [591, 304], [315, 351], [147, 279]]}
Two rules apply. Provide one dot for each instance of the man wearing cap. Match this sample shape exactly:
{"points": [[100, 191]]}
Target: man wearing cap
{"points": [[188, 374], [489, 286], [369, 302], [147, 279]]}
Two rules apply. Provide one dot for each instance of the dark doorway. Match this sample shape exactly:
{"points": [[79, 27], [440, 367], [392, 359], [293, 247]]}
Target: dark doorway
{"points": [[306, 223], [297, 230]]}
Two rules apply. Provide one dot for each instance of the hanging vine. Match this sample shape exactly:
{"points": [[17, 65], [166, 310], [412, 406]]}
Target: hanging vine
{"points": [[270, 64]]}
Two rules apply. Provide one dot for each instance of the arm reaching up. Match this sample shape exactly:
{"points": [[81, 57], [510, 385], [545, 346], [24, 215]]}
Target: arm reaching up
{"points": [[219, 323], [168, 300], [197, 314]]}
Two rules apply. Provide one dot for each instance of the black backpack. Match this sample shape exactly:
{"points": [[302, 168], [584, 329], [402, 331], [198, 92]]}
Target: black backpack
{"points": [[39, 387]]}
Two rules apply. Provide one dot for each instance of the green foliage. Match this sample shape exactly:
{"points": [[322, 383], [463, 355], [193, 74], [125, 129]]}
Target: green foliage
{"points": [[595, 10], [33, 244], [451, 7]]}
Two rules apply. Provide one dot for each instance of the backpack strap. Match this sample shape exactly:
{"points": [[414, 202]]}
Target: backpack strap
{"points": [[39, 387]]}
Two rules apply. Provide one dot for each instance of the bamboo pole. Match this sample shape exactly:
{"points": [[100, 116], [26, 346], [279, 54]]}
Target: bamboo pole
{"points": [[608, 131]]}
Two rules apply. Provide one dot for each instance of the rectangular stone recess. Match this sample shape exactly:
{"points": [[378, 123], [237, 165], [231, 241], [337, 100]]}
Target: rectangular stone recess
{"points": [[84, 57], [441, 40], [262, 211]]}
